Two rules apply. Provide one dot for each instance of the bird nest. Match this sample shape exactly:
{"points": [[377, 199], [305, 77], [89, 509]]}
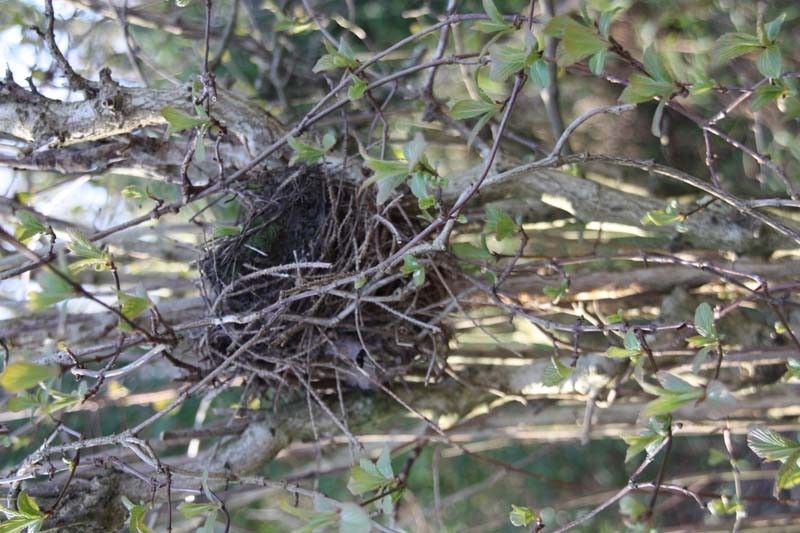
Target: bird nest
{"points": [[291, 303]]}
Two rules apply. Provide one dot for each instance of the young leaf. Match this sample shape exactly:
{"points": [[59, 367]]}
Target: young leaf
{"points": [[767, 93], [496, 23], [578, 42], [28, 227], [471, 108], [136, 522], [556, 293], [388, 175], [643, 88], [499, 223], [357, 88], [342, 58], [598, 61], [555, 373], [179, 121], [733, 45], [771, 445], [506, 60], [384, 463], [304, 152], [20, 376], [28, 507], [523, 516], [465, 250]]}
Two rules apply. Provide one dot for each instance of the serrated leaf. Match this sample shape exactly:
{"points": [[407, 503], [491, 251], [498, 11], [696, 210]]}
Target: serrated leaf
{"points": [[363, 480], [578, 42], [506, 61], [81, 246], [471, 108], [179, 121], [770, 445], [643, 88], [769, 62], [494, 14], [733, 45], [789, 473], [664, 405], [18, 377], [28, 227], [388, 175]]}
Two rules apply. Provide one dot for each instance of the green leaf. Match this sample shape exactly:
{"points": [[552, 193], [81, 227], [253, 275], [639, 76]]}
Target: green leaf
{"points": [[655, 431], [704, 321], [131, 305], [523, 516], [598, 61], [643, 88], [384, 463], [606, 18], [411, 265], [28, 507], [655, 66], [539, 73], [471, 108], [342, 58], [354, 519], [769, 62], [182, 3], [506, 61], [578, 42], [733, 45], [773, 27], [793, 367], [767, 93], [789, 473], [414, 151], [388, 175], [365, 478], [556, 293], [499, 223], [20, 523], [479, 126], [664, 405], [668, 215], [631, 341], [136, 523], [179, 121], [221, 230], [718, 400], [465, 250], [20, 376], [555, 373], [93, 256], [193, 510], [357, 88], [771, 445], [28, 227], [632, 508], [616, 351], [724, 506], [304, 152]]}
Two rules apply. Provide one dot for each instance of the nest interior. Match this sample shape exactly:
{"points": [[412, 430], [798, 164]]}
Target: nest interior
{"points": [[303, 229]]}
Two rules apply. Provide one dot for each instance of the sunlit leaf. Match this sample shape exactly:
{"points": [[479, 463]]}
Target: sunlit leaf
{"points": [[20, 376]]}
